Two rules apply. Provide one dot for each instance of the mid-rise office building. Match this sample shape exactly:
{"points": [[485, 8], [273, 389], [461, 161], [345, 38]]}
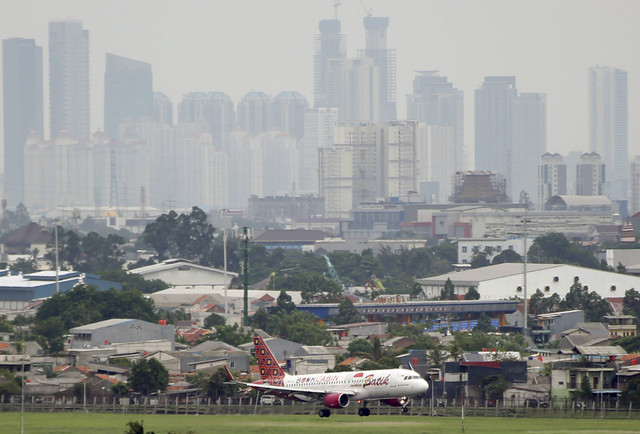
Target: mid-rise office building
{"points": [[128, 92], [318, 133], [69, 79], [22, 108]]}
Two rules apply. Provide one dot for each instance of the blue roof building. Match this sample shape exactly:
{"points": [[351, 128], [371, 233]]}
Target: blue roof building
{"points": [[17, 291]]}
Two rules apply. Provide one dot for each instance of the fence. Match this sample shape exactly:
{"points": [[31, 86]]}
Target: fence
{"points": [[246, 406]]}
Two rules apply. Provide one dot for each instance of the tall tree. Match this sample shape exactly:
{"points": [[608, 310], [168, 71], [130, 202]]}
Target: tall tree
{"points": [[347, 313], [148, 375], [448, 292]]}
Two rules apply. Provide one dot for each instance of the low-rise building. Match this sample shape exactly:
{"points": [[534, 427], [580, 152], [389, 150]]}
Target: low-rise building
{"points": [[119, 331]]}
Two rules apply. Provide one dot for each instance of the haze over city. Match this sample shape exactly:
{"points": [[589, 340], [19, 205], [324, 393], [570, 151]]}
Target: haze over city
{"points": [[240, 46]]}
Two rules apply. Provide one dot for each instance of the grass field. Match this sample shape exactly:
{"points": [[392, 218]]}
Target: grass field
{"points": [[110, 423]]}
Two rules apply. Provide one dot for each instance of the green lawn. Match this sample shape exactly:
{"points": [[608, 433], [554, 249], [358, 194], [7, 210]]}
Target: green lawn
{"points": [[109, 423]]}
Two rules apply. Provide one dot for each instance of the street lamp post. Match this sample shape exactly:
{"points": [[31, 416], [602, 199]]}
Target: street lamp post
{"points": [[525, 221]]}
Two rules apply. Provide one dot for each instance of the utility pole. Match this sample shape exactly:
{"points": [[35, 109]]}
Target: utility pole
{"points": [[245, 274], [525, 220], [55, 228]]}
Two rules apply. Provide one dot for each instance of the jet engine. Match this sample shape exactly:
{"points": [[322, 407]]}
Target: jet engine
{"points": [[396, 402], [336, 400]]}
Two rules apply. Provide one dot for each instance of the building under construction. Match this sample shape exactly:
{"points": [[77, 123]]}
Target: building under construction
{"points": [[479, 187]]}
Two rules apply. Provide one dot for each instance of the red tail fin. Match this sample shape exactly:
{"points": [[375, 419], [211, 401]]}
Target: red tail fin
{"points": [[268, 365]]}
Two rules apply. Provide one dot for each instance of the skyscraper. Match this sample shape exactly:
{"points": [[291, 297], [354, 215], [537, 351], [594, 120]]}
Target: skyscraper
{"points": [[441, 106], [69, 79], [493, 124], [329, 44], [128, 92], [511, 131], [608, 125], [385, 60], [22, 90]]}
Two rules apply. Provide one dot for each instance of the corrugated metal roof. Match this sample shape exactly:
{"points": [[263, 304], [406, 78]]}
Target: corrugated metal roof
{"points": [[613, 350], [491, 272]]}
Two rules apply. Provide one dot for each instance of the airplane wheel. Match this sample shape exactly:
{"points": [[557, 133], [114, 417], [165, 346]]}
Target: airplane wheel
{"points": [[367, 411], [327, 413], [321, 412], [360, 412], [405, 409]]}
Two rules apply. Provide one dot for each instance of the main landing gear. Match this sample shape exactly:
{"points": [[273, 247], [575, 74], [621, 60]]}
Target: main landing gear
{"points": [[364, 411], [324, 412], [405, 409]]}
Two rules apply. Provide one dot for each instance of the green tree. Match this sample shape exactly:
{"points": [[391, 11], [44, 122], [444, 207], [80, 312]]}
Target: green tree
{"points": [[416, 291], [187, 236], [436, 356], [448, 292], [480, 260], [24, 266], [585, 388], [631, 303], [506, 256], [578, 297], [214, 320], [214, 385], [631, 394], [472, 294], [360, 347], [101, 253], [5, 325], [52, 329], [493, 387], [484, 324], [120, 389], [232, 335], [10, 384], [347, 313], [69, 249], [133, 281], [148, 375], [555, 248]]}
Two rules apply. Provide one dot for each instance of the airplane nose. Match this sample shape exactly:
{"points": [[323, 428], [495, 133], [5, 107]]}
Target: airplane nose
{"points": [[424, 387]]}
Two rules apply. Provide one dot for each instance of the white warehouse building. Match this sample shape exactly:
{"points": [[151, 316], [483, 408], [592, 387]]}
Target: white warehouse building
{"points": [[504, 281]]}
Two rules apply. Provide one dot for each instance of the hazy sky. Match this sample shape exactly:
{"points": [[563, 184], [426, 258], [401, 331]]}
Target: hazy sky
{"points": [[237, 46]]}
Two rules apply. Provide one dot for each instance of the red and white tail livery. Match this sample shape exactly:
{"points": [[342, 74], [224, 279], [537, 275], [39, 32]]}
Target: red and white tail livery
{"points": [[336, 390]]}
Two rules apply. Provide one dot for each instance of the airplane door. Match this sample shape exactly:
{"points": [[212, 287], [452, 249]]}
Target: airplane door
{"points": [[393, 380]]}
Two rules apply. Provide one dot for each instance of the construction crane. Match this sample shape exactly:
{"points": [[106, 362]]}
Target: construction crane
{"points": [[367, 10], [332, 271]]}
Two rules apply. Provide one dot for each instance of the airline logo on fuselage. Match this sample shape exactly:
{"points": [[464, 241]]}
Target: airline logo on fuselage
{"points": [[371, 380]]}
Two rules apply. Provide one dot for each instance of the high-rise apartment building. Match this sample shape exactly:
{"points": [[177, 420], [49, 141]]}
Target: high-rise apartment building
{"points": [[254, 112], [368, 162], [590, 175], [69, 79], [162, 109], [22, 107], [318, 133], [385, 60], [287, 110], [440, 106], [510, 134], [215, 109], [329, 44], [608, 125], [634, 186], [552, 178], [128, 92]]}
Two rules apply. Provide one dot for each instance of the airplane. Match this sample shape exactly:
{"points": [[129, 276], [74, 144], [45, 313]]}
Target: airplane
{"points": [[393, 387]]}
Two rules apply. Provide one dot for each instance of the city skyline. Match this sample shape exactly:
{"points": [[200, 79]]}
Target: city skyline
{"points": [[544, 45]]}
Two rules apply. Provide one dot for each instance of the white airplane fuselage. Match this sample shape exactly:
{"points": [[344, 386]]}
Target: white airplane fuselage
{"points": [[361, 385]]}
